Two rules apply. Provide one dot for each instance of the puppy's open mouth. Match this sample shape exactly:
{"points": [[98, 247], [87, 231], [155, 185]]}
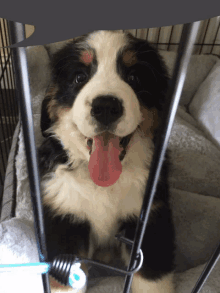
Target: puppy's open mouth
{"points": [[106, 153], [123, 144]]}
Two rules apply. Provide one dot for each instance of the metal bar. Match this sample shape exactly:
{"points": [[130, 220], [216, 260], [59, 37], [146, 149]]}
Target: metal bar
{"points": [[8, 71], [6, 128], [3, 165], [203, 40], [207, 271], [13, 78], [9, 68], [171, 34], [3, 158], [1, 182], [5, 67], [17, 34], [158, 37], [217, 31], [5, 110], [147, 34], [8, 102], [118, 270], [184, 53]]}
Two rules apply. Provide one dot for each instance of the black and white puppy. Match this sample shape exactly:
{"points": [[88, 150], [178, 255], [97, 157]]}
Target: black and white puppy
{"points": [[100, 118]]}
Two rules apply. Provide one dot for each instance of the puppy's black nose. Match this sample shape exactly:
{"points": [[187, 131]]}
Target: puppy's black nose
{"points": [[106, 109]]}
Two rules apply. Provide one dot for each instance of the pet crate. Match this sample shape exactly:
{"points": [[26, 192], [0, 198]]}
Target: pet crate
{"points": [[14, 80]]}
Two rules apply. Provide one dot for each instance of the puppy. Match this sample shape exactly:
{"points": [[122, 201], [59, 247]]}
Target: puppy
{"points": [[100, 118]]}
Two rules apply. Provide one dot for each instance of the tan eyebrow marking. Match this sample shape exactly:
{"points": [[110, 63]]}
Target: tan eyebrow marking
{"points": [[129, 58], [87, 57]]}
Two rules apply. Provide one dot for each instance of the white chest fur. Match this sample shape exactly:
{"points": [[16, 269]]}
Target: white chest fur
{"points": [[73, 192]]}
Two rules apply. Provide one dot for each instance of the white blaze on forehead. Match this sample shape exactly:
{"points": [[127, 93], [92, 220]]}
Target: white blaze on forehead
{"points": [[106, 81], [107, 45]]}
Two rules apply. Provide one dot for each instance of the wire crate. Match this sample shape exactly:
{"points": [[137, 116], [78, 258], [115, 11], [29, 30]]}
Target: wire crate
{"points": [[164, 38]]}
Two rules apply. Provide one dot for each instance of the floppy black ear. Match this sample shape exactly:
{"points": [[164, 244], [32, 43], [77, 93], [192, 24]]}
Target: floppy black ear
{"points": [[48, 110], [153, 74], [159, 74], [45, 122]]}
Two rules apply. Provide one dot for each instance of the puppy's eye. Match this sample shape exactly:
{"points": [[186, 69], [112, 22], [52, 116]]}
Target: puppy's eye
{"points": [[132, 78], [80, 77]]}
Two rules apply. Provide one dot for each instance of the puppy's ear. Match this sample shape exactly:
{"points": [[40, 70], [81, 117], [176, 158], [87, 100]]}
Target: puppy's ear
{"points": [[155, 73], [48, 110], [45, 122], [55, 47]]}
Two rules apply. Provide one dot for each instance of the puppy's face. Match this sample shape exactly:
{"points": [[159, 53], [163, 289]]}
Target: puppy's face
{"points": [[106, 86]]}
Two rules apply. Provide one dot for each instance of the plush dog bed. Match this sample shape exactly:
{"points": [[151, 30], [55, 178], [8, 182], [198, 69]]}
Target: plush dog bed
{"points": [[194, 181]]}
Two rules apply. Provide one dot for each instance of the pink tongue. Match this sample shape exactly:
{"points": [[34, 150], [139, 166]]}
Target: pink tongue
{"points": [[104, 166]]}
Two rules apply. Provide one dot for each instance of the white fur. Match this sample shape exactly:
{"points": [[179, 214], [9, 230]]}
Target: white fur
{"points": [[106, 81], [74, 191], [141, 285]]}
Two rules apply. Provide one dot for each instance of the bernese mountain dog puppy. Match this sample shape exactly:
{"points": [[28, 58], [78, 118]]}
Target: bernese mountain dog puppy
{"points": [[100, 117]]}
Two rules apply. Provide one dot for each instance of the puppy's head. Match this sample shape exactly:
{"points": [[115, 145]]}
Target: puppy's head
{"points": [[106, 85]]}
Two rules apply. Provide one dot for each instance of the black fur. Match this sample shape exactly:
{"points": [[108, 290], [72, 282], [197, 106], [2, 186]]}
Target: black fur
{"points": [[152, 79], [158, 244], [51, 154], [63, 236], [65, 66], [45, 122]]}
